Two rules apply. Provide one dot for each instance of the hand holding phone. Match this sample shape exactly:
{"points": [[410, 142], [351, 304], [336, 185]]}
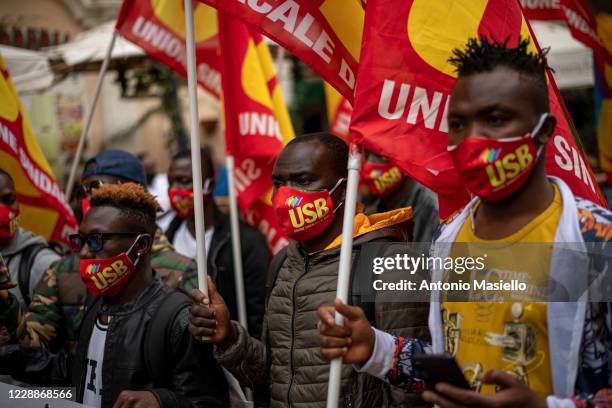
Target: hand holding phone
{"points": [[437, 368]]}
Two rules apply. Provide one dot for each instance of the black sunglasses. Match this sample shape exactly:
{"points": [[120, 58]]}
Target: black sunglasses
{"points": [[94, 241]]}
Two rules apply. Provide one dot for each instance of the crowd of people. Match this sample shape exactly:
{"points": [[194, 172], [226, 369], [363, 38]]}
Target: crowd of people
{"points": [[120, 316]]}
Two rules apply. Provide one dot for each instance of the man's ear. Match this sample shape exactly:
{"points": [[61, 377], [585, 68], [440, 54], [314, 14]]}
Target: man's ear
{"points": [[144, 244], [547, 130]]}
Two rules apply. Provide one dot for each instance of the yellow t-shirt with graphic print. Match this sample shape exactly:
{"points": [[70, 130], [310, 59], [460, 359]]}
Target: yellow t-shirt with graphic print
{"points": [[511, 335]]}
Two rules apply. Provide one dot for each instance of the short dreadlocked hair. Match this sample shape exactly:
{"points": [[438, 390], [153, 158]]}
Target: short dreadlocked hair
{"points": [[132, 200], [484, 55]]}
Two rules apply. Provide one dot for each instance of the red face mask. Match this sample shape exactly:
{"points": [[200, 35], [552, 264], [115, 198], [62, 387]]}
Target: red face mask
{"points": [[8, 223], [107, 277], [381, 178], [494, 169], [304, 214], [181, 201], [85, 204]]}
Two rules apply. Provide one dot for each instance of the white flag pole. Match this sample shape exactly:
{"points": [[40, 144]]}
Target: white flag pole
{"points": [[236, 249], [194, 126], [89, 118], [344, 268]]}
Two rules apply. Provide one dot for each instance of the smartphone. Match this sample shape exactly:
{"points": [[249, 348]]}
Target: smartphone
{"points": [[4, 277], [437, 368]]}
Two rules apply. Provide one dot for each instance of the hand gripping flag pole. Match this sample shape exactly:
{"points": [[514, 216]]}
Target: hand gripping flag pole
{"points": [[344, 268], [89, 118], [194, 126]]}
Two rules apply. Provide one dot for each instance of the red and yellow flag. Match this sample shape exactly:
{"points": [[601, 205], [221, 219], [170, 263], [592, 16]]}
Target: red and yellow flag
{"points": [[339, 111], [43, 207], [257, 123], [405, 81], [596, 33], [325, 34], [158, 27], [542, 9]]}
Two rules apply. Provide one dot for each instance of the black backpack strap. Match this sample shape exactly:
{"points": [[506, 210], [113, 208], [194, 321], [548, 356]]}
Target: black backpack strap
{"points": [[273, 270], [158, 335], [172, 228], [28, 256]]}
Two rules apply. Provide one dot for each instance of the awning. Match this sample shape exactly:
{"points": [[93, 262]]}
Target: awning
{"points": [[29, 69], [88, 49]]}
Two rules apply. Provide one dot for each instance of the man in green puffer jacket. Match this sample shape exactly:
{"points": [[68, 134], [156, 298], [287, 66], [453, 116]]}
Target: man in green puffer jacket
{"points": [[287, 360]]}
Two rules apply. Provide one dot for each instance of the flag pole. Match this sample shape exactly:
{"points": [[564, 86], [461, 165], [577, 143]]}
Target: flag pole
{"points": [[344, 268], [196, 159], [89, 118], [236, 249]]}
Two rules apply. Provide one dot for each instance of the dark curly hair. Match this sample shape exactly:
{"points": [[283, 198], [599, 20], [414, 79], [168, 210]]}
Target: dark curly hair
{"points": [[132, 200], [486, 54]]}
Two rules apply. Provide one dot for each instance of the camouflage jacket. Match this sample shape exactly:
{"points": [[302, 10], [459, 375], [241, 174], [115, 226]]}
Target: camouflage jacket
{"points": [[60, 298]]}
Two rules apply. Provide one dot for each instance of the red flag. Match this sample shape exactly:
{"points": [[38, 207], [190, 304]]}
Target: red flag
{"points": [[339, 112], [542, 9], [158, 27], [43, 207], [325, 34], [405, 81], [597, 35], [257, 123]]}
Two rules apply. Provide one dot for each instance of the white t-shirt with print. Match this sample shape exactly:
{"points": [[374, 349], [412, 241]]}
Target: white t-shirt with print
{"points": [[92, 395]]}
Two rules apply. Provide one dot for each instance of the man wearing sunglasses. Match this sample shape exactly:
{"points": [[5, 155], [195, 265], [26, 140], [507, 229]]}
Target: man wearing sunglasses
{"points": [[115, 363], [60, 299]]}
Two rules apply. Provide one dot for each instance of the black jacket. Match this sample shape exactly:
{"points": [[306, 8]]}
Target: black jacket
{"points": [[194, 379], [255, 260]]}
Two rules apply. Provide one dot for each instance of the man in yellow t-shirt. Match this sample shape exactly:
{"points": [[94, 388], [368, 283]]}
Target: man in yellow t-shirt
{"points": [[520, 352]]}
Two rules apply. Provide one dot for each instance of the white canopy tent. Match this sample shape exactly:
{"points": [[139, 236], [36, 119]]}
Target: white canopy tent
{"points": [[30, 70], [91, 46]]}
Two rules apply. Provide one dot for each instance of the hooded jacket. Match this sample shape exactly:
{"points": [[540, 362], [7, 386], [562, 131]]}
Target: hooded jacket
{"points": [[12, 254], [289, 352]]}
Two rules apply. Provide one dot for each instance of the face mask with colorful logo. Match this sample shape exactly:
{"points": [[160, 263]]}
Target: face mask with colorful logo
{"points": [[9, 220], [107, 277], [181, 200], [494, 169], [304, 214], [382, 179]]}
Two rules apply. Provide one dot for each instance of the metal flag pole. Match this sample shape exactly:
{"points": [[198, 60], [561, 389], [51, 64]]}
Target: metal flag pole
{"points": [[194, 126], [344, 268], [236, 249], [89, 118]]}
